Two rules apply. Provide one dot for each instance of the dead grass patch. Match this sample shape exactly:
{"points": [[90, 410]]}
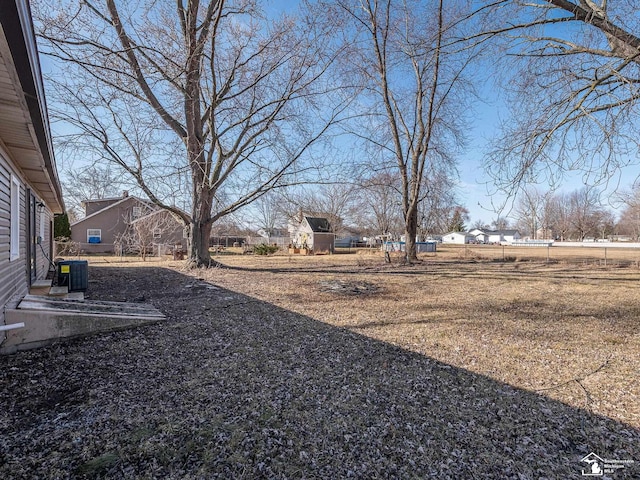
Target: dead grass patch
{"points": [[532, 324]]}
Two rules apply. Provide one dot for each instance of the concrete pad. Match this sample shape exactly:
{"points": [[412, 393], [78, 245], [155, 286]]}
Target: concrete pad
{"points": [[58, 291], [40, 287], [48, 319]]}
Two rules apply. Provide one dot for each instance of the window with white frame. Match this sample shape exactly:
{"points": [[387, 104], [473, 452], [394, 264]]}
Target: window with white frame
{"points": [[15, 218], [94, 235], [157, 232], [136, 212]]}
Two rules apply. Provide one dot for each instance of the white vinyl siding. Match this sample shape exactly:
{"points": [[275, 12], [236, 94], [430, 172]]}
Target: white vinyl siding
{"points": [[15, 219]]}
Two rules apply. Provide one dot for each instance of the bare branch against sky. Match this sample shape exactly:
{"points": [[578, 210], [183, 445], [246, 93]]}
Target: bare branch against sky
{"points": [[220, 98], [572, 68]]}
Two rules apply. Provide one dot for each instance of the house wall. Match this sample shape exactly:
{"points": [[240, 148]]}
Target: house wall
{"points": [[172, 231], [173, 236], [13, 272], [322, 242], [111, 222], [14, 278], [511, 238], [319, 242], [303, 236], [456, 238]]}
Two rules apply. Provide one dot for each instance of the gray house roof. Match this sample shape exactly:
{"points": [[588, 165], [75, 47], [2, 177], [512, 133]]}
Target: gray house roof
{"points": [[500, 232], [319, 224], [113, 205]]}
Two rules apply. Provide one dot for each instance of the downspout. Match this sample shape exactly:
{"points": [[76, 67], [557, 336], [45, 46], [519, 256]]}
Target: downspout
{"points": [[11, 326]]}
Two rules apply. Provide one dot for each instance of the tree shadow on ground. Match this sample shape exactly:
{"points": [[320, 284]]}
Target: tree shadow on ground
{"points": [[455, 269], [233, 387]]}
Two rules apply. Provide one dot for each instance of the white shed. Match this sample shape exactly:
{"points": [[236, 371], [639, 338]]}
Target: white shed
{"points": [[459, 238], [313, 234]]}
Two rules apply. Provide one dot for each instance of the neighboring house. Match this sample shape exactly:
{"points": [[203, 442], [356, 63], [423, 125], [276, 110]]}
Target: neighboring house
{"points": [[349, 237], [106, 220], [275, 236], [158, 230], [494, 236], [499, 236], [458, 238], [480, 236], [544, 233], [273, 232], [314, 234], [348, 241], [30, 192]]}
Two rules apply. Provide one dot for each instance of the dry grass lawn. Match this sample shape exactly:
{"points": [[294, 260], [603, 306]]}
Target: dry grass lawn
{"points": [[570, 331]]}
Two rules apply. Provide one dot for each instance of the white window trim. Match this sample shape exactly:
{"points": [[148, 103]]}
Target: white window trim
{"points": [[136, 211], [157, 232], [94, 230], [15, 219]]}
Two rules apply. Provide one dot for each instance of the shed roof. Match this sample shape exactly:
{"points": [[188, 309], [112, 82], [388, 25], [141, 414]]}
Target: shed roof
{"points": [[319, 224]]}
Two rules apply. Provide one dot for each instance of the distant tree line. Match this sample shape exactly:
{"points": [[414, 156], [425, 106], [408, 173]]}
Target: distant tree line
{"points": [[576, 215]]}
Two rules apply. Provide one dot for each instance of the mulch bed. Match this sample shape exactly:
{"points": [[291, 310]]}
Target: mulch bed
{"points": [[234, 387]]}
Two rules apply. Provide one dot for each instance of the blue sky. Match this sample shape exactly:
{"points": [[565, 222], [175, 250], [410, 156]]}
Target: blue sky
{"points": [[474, 190], [474, 193]]}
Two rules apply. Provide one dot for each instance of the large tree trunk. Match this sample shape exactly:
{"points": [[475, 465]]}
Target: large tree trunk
{"points": [[199, 244], [200, 226], [411, 230]]}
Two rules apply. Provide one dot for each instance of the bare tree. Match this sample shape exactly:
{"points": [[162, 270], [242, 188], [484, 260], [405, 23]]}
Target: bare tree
{"points": [[458, 219], [90, 183], [438, 203], [500, 223], [532, 211], [333, 201], [267, 214], [605, 224], [585, 212], [559, 216], [415, 93], [379, 203], [572, 67], [142, 234], [480, 225], [213, 98], [629, 222]]}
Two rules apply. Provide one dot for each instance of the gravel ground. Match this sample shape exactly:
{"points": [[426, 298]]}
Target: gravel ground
{"points": [[230, 386]]}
